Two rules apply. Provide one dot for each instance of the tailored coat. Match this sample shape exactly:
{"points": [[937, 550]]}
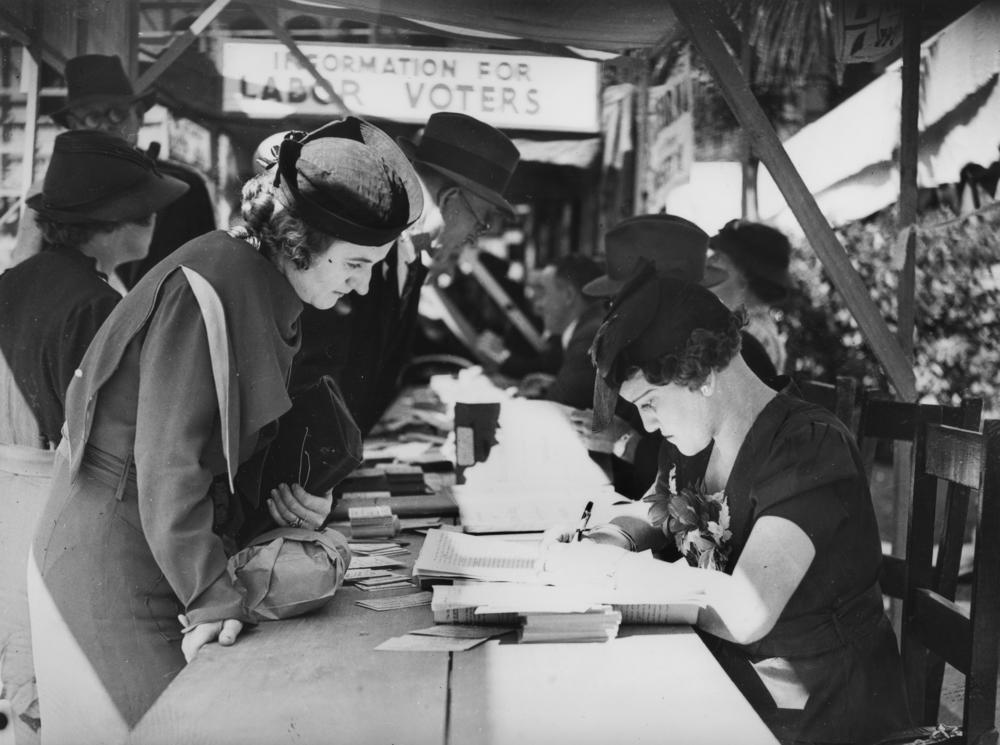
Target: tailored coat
{"points": [[166, 404]]}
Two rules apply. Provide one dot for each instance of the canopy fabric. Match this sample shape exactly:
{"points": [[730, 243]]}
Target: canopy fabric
{"points": [[588, 24], [847, 157]]}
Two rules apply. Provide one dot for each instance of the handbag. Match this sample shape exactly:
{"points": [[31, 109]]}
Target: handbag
{"points": [[290, 571], [317, 444]]}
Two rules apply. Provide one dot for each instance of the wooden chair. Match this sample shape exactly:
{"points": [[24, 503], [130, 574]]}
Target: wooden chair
{"points": [[840, 398], [936, 629], [884, 419]]}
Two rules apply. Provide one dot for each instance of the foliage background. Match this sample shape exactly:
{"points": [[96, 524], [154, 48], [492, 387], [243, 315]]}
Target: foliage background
{"points": [[957, 347]]}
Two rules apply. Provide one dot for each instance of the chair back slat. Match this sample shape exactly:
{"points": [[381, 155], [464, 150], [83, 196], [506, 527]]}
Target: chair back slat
{"points": [[936, 629], [979, 715]]}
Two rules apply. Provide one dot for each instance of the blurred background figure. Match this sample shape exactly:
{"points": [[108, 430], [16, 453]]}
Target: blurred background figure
{"points": [[99, 96], [755, 258], [95, 211], [572, 318]]}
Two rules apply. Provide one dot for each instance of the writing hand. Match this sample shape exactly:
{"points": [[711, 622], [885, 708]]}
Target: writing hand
{"points": [[294, 507], [196, 637]]}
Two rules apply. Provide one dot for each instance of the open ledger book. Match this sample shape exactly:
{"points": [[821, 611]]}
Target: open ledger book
{"points": [[495, 581]]}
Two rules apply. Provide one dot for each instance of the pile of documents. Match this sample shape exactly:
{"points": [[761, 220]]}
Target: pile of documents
{"points": [[496, 582], [599, 624], [373, 521]]}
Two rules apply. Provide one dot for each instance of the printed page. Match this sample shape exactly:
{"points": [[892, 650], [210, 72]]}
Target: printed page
{"points": [[450, 554]]}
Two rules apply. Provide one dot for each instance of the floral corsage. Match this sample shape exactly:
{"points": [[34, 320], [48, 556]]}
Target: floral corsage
{"points": [[697, 522]]}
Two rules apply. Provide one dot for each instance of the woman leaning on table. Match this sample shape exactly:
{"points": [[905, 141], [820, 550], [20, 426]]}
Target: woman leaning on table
{"points": [[795, 613], [177, 389]]}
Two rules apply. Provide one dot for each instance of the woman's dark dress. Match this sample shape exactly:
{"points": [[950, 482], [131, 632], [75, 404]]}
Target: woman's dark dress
{"points": [[798, 462]]}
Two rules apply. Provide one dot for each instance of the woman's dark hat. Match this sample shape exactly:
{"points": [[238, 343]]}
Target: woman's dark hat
{"points": [[471, 153], [98, 78], [675, 247], [350, 180], [759, 251], [97, 177], [651, 317]]}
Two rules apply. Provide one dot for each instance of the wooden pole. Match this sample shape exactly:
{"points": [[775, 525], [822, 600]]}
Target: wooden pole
{"points": [[771, 152], [29, 74], [179, 44], [641, 134], [908, 148], [748, 164], [281, 33]]}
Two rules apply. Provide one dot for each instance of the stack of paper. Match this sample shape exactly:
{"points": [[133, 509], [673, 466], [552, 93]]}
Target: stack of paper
{"points": [[599, 624], [447, 554], [497, 580], [374, 521]]}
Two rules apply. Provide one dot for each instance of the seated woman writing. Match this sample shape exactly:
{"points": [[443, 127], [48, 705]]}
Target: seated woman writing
{"points": [[179, 387], [793, 607]]}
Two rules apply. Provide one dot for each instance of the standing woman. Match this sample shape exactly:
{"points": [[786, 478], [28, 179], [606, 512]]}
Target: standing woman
{"points": [[96, 211], [177, 389]]}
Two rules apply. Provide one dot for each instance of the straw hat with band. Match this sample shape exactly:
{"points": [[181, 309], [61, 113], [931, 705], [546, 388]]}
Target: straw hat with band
{"points": [[98, 78], [350, 180], [673, 246], [474, 155], [652, 317], [95, 177]]}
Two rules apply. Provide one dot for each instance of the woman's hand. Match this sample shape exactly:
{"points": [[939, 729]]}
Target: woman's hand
{"points": [[294, 507], [196, 637]]}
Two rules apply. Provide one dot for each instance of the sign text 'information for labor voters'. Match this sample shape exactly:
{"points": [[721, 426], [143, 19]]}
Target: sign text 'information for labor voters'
{"points": [[516, 91]]}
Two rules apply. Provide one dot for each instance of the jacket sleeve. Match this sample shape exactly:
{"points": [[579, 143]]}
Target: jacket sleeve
{"points": [[177, 436], [574, 383]]}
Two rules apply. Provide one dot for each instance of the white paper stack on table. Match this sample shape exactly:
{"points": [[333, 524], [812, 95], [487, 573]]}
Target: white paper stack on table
{"points": [[497, 581], [373, 521], [599, 624]]}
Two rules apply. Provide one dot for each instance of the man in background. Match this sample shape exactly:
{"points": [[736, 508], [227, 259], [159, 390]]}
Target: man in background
{"points": [[572, 318]]}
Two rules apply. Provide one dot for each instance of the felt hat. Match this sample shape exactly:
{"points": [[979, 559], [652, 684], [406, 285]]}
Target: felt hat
{"points": [[98, 78], [759, 251], [474, 155], [350, 180], [265, 156], [673, 246], [652, 317], [94, 176]]}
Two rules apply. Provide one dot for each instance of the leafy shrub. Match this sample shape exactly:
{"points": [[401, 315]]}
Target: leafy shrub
{"points": [[957, 341]]}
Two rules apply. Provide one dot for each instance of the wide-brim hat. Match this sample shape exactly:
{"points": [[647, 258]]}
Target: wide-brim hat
{"points": [[473, 154], [759, 251], [670, 245], [350, 180], [98, 78], [96, 177]]}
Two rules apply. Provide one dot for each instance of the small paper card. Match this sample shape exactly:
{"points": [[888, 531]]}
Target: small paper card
{"points": [[353, 575], [397, 602], [418, 643], [372, 562]]}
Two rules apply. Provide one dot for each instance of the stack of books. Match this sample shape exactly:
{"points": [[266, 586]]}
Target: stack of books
{"points": [[599, 624], [499, 582], [373, 521]]}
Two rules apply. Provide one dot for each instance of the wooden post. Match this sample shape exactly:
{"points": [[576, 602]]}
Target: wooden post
{"points": [[270, 19], [908, 148], [641, 134], [748, 164], [29, 74], [771, 152], [905, 300], [179, 44]]}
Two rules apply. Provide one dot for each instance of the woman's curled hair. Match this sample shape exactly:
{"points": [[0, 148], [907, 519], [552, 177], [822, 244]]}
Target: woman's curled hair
{"points": [[276, 232], [706, 350]]}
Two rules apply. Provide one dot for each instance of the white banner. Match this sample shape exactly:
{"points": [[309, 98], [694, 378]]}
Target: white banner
{"points": [[510, 91], [671, 135]]}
